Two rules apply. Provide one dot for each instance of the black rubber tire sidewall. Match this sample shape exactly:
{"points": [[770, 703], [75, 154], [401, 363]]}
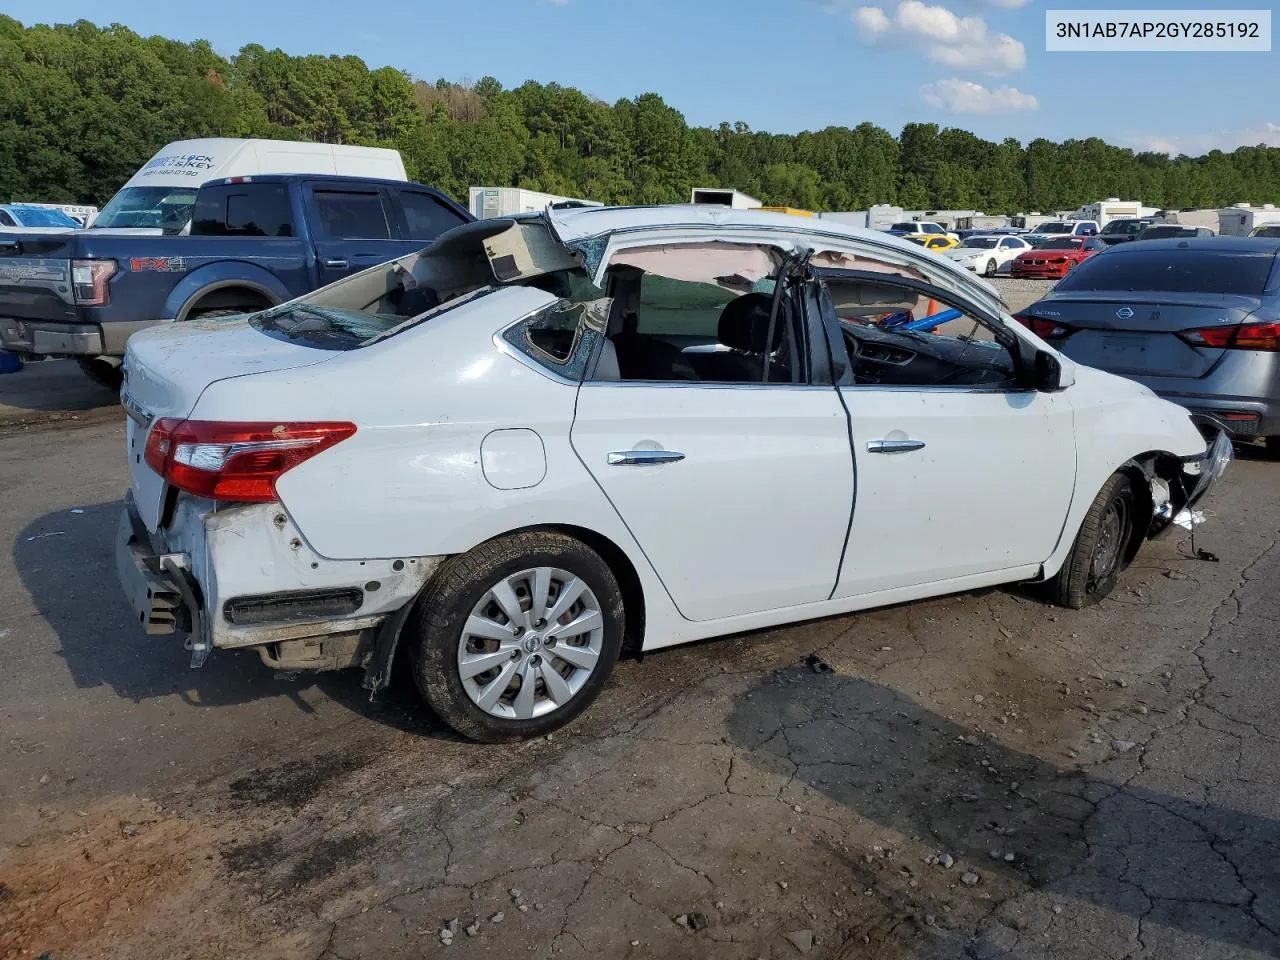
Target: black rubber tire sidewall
{"points": [[992, 268], [1070, 588], [104, 374], [455, 590], [1271, 447]]}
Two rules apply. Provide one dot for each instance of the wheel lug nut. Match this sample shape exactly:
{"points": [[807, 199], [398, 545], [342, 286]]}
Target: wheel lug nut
{"points": [[540, 624], [535, 660]]}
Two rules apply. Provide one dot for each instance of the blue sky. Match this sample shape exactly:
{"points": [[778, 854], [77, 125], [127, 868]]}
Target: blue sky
{"points": [[782, 66]]}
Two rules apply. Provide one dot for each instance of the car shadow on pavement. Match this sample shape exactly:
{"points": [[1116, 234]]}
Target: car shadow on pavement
{"points": [[52, 386], [66, 562], [1020, 826]]}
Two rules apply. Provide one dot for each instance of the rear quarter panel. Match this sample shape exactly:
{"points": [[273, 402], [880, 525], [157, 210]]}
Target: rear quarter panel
{"points": [[410, 483]]}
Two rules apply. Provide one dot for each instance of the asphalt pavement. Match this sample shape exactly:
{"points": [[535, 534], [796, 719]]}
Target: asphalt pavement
{"points": [[980, 775]]}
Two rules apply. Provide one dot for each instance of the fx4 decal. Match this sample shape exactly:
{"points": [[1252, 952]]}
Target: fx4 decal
{"points": [[158, 264]]}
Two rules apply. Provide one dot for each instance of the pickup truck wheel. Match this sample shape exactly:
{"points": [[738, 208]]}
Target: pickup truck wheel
{"points": [[517, 637], [102, 372], [1099, 554]]}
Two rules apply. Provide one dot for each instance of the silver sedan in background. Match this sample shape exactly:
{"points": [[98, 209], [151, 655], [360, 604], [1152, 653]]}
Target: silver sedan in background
{"points": [[1197, 320]]}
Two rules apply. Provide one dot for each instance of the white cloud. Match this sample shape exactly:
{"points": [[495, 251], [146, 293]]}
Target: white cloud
{"points": [[1198, 144], [942, 36], [965, 96]]}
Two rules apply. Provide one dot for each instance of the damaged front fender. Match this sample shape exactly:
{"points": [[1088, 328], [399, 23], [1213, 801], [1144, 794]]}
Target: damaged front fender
{"points": [[1177, 486]]}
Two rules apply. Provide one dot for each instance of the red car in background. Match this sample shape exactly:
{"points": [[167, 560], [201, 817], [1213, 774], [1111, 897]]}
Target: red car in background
{"points": [[1054, 259]]}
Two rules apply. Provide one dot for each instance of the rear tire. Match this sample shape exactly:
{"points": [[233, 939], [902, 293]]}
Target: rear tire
{"points": [[102, 372], [1272, 447], [1098, 555], [462, 617]]}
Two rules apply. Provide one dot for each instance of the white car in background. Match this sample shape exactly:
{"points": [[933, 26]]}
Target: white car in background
{"points": [[1057, 229], [987, 254], [547, 437], [31, 218]]}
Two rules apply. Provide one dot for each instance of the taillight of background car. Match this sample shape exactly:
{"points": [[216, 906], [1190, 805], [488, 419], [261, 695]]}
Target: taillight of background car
{"points": [[89, 280], [1044, 329], [1243, 336], [235, 461]]}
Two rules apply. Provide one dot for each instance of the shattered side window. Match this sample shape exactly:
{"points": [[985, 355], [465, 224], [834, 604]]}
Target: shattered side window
{"points": [[562, 336]]}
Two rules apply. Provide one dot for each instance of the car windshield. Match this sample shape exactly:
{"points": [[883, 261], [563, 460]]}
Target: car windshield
{"points": [[1270, 231], [41, 217], [1056, 226], [982, 243], [1240, 273], [1066, 243], [904, 227], [168, 208], [1162, 233]]}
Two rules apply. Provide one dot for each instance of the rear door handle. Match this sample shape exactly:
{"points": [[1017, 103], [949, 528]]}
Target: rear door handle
{"points": [[643, 458], [337, 264], [894, 446]]}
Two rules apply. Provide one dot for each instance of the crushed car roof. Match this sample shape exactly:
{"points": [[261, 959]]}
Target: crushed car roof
{"points": [[580, 223]]}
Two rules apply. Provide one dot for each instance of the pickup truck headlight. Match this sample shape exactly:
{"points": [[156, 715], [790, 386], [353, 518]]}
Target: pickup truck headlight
{"points": [[89, 280]]}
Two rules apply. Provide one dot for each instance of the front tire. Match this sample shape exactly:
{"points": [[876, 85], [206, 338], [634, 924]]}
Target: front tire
{"points": [[1100, 552], [992, 268], [518, 636]]}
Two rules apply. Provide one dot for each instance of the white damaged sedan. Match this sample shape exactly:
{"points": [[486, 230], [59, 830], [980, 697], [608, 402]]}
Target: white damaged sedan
{"points": [[545, 439]]}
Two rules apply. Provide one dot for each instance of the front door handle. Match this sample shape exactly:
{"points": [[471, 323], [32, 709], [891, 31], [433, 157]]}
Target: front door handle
{"points": [[337, 264], [894, 446], [642, 458]]}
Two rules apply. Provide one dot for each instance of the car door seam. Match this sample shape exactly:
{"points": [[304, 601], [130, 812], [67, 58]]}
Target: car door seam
{"points": [[618, 513], [853, 503]]}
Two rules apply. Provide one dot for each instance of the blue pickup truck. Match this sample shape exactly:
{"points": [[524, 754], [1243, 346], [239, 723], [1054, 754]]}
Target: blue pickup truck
{"points": [[255, 242]]}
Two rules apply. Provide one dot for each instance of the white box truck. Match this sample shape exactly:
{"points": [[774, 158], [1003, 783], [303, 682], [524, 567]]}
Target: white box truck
{"points": [[1239, 220], [488, 202], [158, 198]]}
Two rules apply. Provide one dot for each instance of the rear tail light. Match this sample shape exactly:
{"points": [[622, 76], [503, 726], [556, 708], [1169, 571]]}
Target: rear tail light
{"points": [[1244, 336], [235, 461], [89, 280], [1044, 329]]}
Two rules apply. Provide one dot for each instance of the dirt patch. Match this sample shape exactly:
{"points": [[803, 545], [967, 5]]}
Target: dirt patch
{"points": [[98, 871], [295, 783]]}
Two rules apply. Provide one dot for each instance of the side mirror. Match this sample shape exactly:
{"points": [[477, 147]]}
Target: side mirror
{"points": [[1048, 372]]}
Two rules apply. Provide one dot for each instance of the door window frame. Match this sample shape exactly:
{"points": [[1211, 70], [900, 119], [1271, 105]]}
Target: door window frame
{"points": [[842, 366], [320, 231], [810, 348]]}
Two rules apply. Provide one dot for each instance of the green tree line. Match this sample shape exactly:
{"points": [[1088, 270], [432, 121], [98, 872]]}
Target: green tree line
{"points": [[82, 107]]}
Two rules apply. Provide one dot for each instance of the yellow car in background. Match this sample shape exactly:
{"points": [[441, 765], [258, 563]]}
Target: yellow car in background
{"points": [[932, 241]]}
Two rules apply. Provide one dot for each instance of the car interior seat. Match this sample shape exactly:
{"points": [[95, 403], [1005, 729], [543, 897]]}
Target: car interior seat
{"points": [[638, 356], [743, 331]]}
